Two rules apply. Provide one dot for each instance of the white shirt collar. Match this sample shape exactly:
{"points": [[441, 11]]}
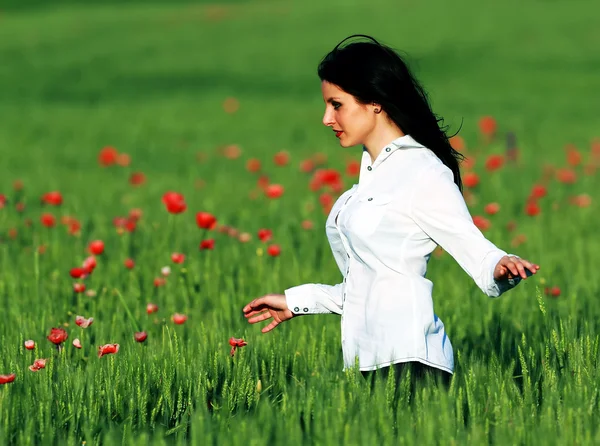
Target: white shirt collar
{"points": [[403, 142]]}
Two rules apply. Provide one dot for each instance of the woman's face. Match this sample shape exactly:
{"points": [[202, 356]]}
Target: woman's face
{"points": [[351, 121]]}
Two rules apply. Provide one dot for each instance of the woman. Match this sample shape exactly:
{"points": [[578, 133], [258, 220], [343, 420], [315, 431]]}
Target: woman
{"points": [[383, 230]]}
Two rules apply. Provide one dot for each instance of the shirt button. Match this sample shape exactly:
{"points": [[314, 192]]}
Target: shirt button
{"points": [[388, 149], [296, 309], [370, 199], [369, 168], [306, 310]]}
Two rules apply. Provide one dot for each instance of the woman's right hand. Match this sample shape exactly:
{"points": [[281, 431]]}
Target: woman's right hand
{"points": [[267, 307]]}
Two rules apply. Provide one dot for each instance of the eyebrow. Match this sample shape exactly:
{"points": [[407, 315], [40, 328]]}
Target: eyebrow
{"points": [[330, 100]]}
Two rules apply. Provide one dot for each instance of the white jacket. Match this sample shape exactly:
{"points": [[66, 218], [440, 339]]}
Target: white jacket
{"points": [[382, 233]]}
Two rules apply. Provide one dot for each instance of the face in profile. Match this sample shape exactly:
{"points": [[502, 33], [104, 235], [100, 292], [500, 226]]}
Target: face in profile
{"points": [[351, 121]]}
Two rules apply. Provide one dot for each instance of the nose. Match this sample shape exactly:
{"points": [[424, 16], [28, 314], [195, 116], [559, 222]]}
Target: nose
{"points": [[328, 117]]}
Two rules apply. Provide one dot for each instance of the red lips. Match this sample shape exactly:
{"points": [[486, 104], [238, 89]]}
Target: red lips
{"points": [[337, 134]]}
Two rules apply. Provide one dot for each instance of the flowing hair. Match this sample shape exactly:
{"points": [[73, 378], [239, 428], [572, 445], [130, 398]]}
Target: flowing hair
{"points": [[375, 73]]}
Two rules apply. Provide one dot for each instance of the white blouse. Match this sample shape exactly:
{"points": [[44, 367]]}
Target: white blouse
{"points": [[382, 233]]}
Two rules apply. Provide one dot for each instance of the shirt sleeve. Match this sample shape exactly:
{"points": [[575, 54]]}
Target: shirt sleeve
{"points": [[439, 209], [314, 298]]}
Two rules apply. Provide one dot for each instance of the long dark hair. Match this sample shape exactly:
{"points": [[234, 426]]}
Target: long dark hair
{"points": [[375, 73]]}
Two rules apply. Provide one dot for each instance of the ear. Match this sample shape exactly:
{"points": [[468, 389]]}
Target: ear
{"points": [[377, 107]]}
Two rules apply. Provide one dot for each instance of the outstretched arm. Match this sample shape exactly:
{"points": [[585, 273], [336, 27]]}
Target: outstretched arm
{"points": [[439, 209]]}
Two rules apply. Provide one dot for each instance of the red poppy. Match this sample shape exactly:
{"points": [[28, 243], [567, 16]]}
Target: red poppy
{"points": [[48, 220], [487, 126], [79, 287], [573, 155], [137, 178], [481, 222], [274, 250], [274, 191], [129, 263], [108, 156], [89, 264], [77, 273], [265, 235], [159, 281], [205, 220], [123, 159], [177, 257], [581, 200], [178, 318], [37, 365], [457, 143], [107, 349], [468, 163], [140, 336], [566, 176], [83, 322], [470, 179], [207, 244], [3, 200], [5, 379], [57, 336], [353, 168], [494, 162], [326, 201], [151, 308], [76, 343], [236, 343], [232, 151], [307, 225], [29, 345], [174, 202], [96, 247], [281, 158], [253, 165], [307, 165], [491, 208], [532, 208], [262, 182], [326, 177], [52, 198], [538, 191], [552, 291]]}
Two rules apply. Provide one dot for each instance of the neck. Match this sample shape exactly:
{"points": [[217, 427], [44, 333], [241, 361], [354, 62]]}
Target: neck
{"points": [[379, 139]]}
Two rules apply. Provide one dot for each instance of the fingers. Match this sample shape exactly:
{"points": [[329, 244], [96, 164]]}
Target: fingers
{"points": [[260, 318], [270, 327], [517, 266]]}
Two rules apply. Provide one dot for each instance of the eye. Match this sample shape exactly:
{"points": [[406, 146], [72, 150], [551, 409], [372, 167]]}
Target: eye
{"points": [[336, 105]]}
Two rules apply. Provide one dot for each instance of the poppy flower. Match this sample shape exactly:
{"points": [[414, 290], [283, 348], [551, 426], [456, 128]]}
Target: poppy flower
{"points": [[566, 176], [129, 263], [76, 343], [3, 200], [253, 165], [244, 237], [140, 336], [573, 156], [532, 209], [165, 271], [457, 143], [174, 202], [137, 178], [108, 156], [178, 318], [5, 379], [89, 264], [107, 349], [48, 220], [57, 336], [37, 365], [538, 191], [281, 158], [231, 105], [207, 244], [552, 291], [206, 220], [262, 182], [494, 162], [265, 235], [53, 198], [77, 273], [491, 208], [326, 178], [177, 257], [96, 247], [468, 163], [307, 225], [470, 179], [232, 151], [79, 287], [274, 191], [83, 322], [274, 250], [487, 126], [159, 281], [123, 159], [307, 165], [29, 345], [236, 343], [353, 168], [481, 222], [151, 308]]}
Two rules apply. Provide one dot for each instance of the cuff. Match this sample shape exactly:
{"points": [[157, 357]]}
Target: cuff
{"points": [[300, 300]]}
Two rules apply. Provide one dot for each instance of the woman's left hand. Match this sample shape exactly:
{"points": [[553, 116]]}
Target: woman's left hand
{"points": [[510, 267]]}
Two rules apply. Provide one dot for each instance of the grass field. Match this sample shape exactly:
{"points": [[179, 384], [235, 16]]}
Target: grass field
{"points": [[154, 80]]}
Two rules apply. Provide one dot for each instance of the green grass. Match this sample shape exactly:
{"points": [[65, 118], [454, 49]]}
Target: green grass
{"points": [[150, 78]]}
